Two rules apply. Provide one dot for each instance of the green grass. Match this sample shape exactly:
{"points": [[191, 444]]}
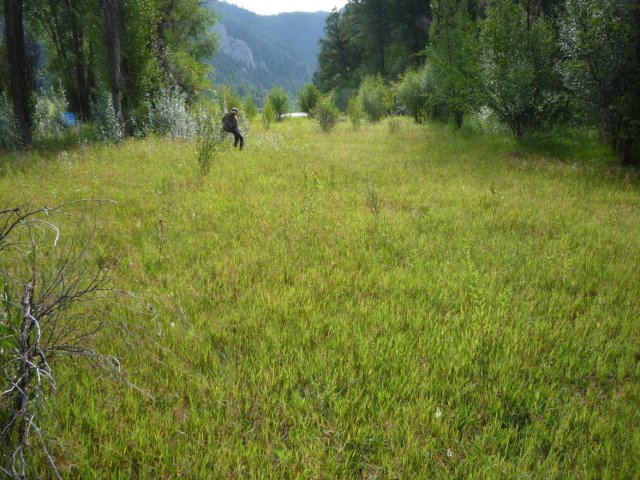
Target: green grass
{"points": [[427, 304]]}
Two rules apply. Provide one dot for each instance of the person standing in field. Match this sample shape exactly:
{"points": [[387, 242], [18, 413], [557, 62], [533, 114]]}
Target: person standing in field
{"points": [[230, 124]]}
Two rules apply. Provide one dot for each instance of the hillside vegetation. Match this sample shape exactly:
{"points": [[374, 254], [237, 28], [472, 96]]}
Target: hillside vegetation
{"points": [[259, 52], [426, 303]]}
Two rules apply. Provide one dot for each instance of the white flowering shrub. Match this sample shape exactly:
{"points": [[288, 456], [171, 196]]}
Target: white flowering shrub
{"points": [[168, 115], [105, 120]]}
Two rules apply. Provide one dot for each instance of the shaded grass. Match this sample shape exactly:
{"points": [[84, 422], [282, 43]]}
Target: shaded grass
{"points": [[423, 304]]}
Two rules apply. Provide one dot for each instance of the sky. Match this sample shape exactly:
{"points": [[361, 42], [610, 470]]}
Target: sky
{"points": [[271, 7]]}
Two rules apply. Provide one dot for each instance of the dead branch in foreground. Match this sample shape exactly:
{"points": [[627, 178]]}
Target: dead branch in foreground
{"points": [[49, 308]]}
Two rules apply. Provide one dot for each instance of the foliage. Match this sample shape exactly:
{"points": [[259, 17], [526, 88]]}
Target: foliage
{"points": [[228, 98], [168, 115], [210, 140], [355, 112], [279, 100], [339, 55], [130, 49], [517, 72], [411, 92], [599, 39], [373, 96], [250, 108], [182, 38], [326, 113], [284, 49], [453, 56], [308, 97], [371, 37], [105, 119], [49, 117], [394, 124], [8, 134], [268, 115]]}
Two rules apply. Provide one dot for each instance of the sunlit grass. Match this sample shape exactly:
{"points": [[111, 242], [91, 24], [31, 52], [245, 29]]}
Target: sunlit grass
{"points": [[363, 304]]}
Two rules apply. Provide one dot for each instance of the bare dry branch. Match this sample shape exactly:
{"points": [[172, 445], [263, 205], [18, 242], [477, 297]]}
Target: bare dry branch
{"points": [[58, 317]]}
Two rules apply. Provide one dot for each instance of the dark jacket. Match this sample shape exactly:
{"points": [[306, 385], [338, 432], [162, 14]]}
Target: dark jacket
{"points": [[230, 122]]}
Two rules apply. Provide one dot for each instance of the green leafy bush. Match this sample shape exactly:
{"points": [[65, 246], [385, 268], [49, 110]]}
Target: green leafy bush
{"points": [[373, 97], [228, 99], [355, 112], [250, 108], [599, 41], [327, 113], [411, 92], [210, 139], [268, 115], [517, 66], [308, 98], [279, 100], [453, 59]]}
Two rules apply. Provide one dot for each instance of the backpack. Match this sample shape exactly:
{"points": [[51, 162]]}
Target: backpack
{"points": [[227, 122]]}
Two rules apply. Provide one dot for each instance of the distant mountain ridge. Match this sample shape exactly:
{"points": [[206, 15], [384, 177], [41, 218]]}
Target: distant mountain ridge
{"points": [[259, 52]]}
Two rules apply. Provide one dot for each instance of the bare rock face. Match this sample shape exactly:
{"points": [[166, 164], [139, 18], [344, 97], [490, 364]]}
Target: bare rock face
{"points": [[234, 47]]}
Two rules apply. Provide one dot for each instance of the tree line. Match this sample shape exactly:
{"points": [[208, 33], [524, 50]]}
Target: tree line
{"points": [[533, 64], [124, 50]]}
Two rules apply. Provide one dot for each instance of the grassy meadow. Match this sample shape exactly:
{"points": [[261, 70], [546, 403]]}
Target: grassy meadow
{"points": [[365, 304]]}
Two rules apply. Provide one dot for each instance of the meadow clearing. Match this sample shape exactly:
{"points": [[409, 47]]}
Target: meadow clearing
{"points": [[426, 303]]}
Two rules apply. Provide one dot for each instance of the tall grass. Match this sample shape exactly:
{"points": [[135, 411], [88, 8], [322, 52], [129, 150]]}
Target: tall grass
{"points": [[428, 304]]}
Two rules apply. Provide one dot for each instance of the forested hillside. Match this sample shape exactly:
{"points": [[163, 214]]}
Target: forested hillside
{"points": [[259, 52]]}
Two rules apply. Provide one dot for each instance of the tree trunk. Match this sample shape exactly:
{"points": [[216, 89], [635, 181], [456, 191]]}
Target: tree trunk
{"points": [[84, 101], [19, 80], [80, 64], [458, 115], [113, 25]]}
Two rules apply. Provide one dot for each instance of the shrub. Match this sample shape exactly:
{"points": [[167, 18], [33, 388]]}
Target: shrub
{"points": [[279, 102], [517, 66], [453, 56], [308, 98], [394, 124], [168, 115], [599, 40], [249, 107], [228, 98], [355, 112], [49, 120], [268, 115], [411, 92], [373, 97], [327, 113], [105, 120], [210, 139]]}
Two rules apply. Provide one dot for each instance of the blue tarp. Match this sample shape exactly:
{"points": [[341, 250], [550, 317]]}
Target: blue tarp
{"points": [[69, 119]]}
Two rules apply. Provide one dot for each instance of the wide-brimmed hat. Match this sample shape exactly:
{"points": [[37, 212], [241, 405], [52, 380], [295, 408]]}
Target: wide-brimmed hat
{"points": [[234, 110]]}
